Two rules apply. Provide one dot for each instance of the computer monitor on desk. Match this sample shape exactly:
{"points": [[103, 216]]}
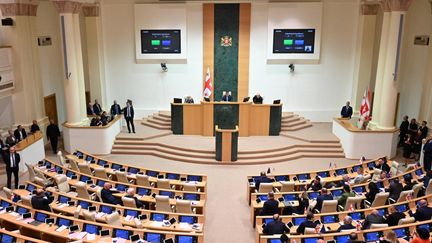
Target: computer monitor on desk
{"points": [[178, 100], [276, 102]]}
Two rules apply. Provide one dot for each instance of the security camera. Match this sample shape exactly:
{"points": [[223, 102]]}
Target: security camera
{"points": [[164, 67], [291, 67]]}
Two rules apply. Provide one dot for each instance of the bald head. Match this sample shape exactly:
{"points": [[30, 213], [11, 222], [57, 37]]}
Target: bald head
{"points": [[423, 203], [271, 195], [107, 186], [40, 192], [131, 191], [347, 220]]}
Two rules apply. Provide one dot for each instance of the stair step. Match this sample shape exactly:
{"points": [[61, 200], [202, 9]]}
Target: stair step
{"points": [[146, 143], [296, 128], [284, 153], [158, 122], [319, 145], [293, 123], [161, 118], [166, 114], [207, 155], [291, 119], [160, 127]]}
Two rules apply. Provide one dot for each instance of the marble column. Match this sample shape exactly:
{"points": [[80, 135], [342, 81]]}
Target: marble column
{"points": [[72, 60], [95, 53], [426, 100], [27, 96], [364, 50]]}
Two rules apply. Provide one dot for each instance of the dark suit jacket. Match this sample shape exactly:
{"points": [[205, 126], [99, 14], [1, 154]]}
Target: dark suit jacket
{"points": [[227, 98], [115, 110], [427, 149], [372, 219], [346, 112], [261, 179], [275, 227], [270, 207], [404, 127], [257, 100], [138, 203], [107, 197], [132, 112], [7, 160], [97, 109], [90, 110], [385, 167], [393, 219], [52, 131], [422, 214], [320, 200], [346, 227], [305, 224], [395, 190], [34, 128], [42, 203], [11, 141], [17, 134]]}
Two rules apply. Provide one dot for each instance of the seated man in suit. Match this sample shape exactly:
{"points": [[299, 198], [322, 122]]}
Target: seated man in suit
{"points": [[90, 111], [360, 176], [10, 139], [373, 218], [20, 133], [115, 109], [315, 184], [423, 212], [271, 206], [347, 111], [97, 109], [353, 238], [382, 176], [262, 178], [41, 201], [393, 218], [188, 100], [131, 194], [107, 196], [321, 198], [347, 224], [395, 189], [257, 99], [275, 227], [226, 96], [382, 165], [34, 127], [309, 223]]}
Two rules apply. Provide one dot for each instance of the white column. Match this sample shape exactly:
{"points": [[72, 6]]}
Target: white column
{"points": [[72, 60], [95, 54], [426, 101]]}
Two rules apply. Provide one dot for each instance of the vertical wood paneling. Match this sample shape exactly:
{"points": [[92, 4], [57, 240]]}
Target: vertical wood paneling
{"points": [[244, 45], [208, 43]]}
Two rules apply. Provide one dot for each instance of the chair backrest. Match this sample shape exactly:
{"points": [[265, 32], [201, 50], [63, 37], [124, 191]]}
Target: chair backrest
{"points": [[81, 189], [99, 194], [61, 159], [91, 216], [162, 203], [394, 168], [265, 187], [404, 194], [121, 177], [366, 178], [100, 172], [163, 183], [309, 231], [380, 199], [31, 172], [138, 223], [39, 181], [429, 188], [62, 183], [355, 201], [416, 188], [287, 186], [184, 206], [114, 219], [74, 165], [128, 202], [38, 173], [77, 211], [8, 192], [190, 188], [85, 168], [377, 226], [26, 200], [408, 220], [329, 206], [142, 180]]}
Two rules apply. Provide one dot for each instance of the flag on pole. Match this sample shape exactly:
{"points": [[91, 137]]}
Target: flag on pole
{"points": [[208, 88], [365, 105]]}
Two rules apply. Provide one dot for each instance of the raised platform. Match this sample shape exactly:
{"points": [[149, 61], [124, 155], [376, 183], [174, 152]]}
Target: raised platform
{"points": [[315, 141]]}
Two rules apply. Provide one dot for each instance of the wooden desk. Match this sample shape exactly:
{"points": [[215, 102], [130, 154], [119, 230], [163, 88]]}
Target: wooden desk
{"points": [[252, 119]]}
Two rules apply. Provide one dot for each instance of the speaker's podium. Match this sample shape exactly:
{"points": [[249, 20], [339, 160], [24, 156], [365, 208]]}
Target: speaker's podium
{"points": [[226, 144]]}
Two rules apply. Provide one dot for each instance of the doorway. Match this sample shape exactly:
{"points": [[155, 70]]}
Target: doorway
{"points": [[51, 107]]}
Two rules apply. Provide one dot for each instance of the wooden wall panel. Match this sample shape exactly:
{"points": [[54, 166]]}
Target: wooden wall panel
{"points": [[244, 45], [244, 113], [208, 41], [192, 119], [259, 120]]}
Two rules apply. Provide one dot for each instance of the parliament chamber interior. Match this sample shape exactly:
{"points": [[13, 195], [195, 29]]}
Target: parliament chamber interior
{"points": [[185, 121]]}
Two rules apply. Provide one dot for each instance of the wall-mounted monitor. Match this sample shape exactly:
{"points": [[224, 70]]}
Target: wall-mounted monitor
{"points": [[160, 41], [294, 41]]}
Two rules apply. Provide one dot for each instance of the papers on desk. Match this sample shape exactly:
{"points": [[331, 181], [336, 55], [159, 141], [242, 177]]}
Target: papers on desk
{"points": [[62, 205], [118, 240], [77, 235], [61, 228], [15, 214], [194, 203], [156, 224], [183, 225], [100, 215], [192, 182], [129, 218], [91, 236], [28, 220], [3, 211]]}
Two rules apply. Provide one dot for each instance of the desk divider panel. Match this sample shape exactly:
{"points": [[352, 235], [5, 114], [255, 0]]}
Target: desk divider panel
{"points": [[177, 118], [275, 120]]}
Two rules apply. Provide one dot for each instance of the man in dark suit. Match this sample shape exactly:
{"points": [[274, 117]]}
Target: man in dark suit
{"points": [[226, 96], [423, 212], [382, 165], [347, 111], [257, 99], [309, 223], [393, 218], [373, 218], [41, 201], [275, 227], [403, 130], [115, 109], [427, 159], [128, 113], [271, 206], [322, 197], [90, 111], [10, 139], [53, 133], [347, 224], [131, 194], [20, 133], [34, 127], [12, 160], [107, 196], [97, 109], [353, 238], [395, 189], [260, 179]]}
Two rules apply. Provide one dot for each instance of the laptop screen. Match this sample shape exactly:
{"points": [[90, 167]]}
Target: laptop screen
{"points": [[132, 170], [120, 233], [303, 177], [7, 239], [152, 173], [310, 240], [337, 193], [323, 174], [121, 187], [423, 226], [290, 197], [328, 219], [132, 213], [30, 187], [298, 221], [268, 220], [40, 217], [356, 215], [142, 191], [21, 210], [63, 222], [116, 167], [194, 178], [91, 229], [105, 209], [371, 165], [313, 195], [355, 168], [402, 208], [281, 178], [70, 173], [382, 211], [153, 237], [419, 172], [101, 162], [187, 219], [342, 171], [158, 217], [172, 176], [401, 233], [84, 178], [100, 183], [63, 199], [167, 193], [84, 204], [358, 189], [191, 196], [89, 158], [342, 239], [185, 239], [263, 198], [372, 236], [5, 204]]}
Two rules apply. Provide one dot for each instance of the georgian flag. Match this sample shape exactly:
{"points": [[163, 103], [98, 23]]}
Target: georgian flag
{"points": [[365, 105], [208, 85]]}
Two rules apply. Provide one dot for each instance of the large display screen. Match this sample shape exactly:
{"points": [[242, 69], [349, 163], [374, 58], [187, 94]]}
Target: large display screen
{"points": [[294, 41], [160, 41]]}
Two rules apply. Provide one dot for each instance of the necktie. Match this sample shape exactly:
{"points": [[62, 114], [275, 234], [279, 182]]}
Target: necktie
{"points": [[128, 111], [13, 161]]}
